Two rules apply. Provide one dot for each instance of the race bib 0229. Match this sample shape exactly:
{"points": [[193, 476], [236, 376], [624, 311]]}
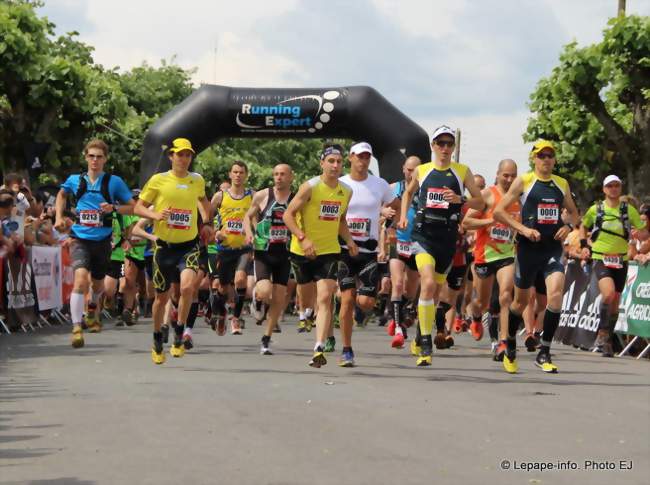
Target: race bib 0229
{"points": [[235, 226]]}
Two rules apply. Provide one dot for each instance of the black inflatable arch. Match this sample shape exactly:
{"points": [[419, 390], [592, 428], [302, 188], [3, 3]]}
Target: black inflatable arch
{"points": [[356, 112]]}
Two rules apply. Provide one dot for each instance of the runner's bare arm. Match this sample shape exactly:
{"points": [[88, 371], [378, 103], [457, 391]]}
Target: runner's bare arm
{"points": [[59, 207], [205, 209], [215, 203], [473, 219], [500, 213], [344, 232], [139, 230], [251, 215], [476, 200], [572, 213], [297, 203], [142, 209], [411, 188], [125, 209]]}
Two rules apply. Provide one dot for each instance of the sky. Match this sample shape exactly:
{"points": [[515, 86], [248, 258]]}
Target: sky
{"points": [[471, 64]]}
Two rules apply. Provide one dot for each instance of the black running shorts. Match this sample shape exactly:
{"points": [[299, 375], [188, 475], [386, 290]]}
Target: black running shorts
{"points": [[536, 260], [363, 268], [323, 267], [170, 260], [231, 261], [619, 275], [485, 270], [93, 256], [272, 265], [456, 276]]}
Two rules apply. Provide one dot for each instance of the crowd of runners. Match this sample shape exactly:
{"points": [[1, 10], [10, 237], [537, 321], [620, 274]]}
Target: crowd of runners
{"points": [[433, 255]]}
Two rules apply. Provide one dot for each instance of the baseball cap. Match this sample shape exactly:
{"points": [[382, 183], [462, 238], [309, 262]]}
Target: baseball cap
{"points": [[540, 145], [611, 178], [180, 144], [443, 130], [361, 147]]}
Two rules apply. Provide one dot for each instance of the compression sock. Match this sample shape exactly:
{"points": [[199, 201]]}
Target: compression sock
{"points": [[441, 315], [426, 316], [240, 297]]}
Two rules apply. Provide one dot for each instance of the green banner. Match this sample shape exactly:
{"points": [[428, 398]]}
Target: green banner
{"points": [[634, 310]]}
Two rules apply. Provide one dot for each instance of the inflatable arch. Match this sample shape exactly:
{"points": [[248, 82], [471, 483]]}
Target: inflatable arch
{"points": [[356, 112]]}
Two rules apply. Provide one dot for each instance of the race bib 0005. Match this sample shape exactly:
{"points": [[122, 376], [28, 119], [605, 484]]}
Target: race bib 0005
{"points": [[179, 219]]}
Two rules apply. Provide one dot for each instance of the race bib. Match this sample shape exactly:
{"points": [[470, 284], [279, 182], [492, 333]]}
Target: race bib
{"points": [[235, 226], [435, 199], [359, 227], [278, 234], [179, 219], [613, 261], [548, 213], [329, 210], [90, 218], [500, 233], [404, 249]]}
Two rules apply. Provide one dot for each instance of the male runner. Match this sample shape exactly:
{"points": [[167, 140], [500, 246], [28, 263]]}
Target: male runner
{"points": [[369, 194], [612, 224], [176, 196], [321, 205], [233, 252], [539, 252], [268, 234], [494, 252], [96, 194], [439, 186]]}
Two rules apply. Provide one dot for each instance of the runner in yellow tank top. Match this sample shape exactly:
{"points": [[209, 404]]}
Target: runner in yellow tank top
{"points": [[316, 218], [234, 255], [176, 197]]}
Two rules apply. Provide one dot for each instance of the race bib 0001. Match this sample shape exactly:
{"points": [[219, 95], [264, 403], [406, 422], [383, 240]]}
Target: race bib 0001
{"points": [[435, 199], [359, 227], [179, 219], [548, 213], [90, 218], [329, 210]]}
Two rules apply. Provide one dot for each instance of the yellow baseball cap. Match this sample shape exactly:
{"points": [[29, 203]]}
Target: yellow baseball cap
{"points": [[540, 145], [180, 144]]}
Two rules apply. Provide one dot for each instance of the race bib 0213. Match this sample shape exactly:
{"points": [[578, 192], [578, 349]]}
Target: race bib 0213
{"points": [[90, 218], [329, 210]]}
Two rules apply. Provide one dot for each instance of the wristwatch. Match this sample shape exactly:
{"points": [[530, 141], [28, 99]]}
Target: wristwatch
{"points": [[463, 199], [569, 225]]}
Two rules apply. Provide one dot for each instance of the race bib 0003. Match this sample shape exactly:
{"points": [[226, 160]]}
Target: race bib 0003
{"points": [[329, 210]]}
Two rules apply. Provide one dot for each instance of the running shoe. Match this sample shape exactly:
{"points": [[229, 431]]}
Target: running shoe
{"points": [[212, 322], [91, 319], [77, 337], [347, 358], [309, 324], [440, 340], [164, 329], [382, 321], [458, 325], [221, 325], [242, 323], [119, 322], [318, 359], [510, 364], [235, 326], [157, 357], [500, 351], [188, 343], [449, 341], [476, 329], [177, 349], [302, 328], [265, 349], [416, 350], [543, 361], [257, 309], [424, 359], [531, 342], [390, 329], [127, 317], [330, 344], [398, 341]]}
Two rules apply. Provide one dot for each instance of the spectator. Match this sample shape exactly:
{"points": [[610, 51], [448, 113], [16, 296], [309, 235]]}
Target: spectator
{"points": [[640, 250]]}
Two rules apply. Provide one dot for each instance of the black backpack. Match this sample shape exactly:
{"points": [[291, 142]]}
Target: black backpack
{"points": [[107, 218], [600, 216]]}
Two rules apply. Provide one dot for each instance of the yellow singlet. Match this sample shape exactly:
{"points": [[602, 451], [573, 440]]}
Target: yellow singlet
{"points": [[319, 217], [179, 195], [231, 213]]}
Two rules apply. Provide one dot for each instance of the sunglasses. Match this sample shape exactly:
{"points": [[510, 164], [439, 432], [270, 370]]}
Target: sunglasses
{"points": [[543, 156], [443, 144], [613, 184], [95, 157]]}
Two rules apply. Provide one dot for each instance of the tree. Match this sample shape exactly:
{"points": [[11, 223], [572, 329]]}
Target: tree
{"points": [[596, 105]]}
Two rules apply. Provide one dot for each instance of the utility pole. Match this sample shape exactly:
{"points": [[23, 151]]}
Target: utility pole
{"points": [[621, 8], [457, 151]]}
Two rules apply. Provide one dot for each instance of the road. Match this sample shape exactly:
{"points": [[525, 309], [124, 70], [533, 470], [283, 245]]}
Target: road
{"points": [[105, 414]]}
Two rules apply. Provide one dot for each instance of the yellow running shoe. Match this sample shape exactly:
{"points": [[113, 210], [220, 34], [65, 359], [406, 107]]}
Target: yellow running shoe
{"points": [[177, 350], [157, 357], [318, 359], [416, 350], [77, 338], [510, 366], [543, 361], [424, 361]]}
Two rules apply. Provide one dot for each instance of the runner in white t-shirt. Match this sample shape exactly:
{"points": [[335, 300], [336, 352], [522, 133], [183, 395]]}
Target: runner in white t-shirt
{"points": [[369, 195]]}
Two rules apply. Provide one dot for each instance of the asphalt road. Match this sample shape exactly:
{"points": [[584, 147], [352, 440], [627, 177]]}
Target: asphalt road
{"points": [[105, 414]]}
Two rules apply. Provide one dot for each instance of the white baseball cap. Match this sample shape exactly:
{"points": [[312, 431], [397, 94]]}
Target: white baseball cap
{"points": [[361, 147], [443, 130], [612, 178]]}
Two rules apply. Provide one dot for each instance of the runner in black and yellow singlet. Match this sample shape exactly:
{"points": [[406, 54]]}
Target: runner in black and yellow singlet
{"points": [[234, 254], [612, 223], [439, 187], [176, 197], [269, 235], [542, 196], [316, 218]]}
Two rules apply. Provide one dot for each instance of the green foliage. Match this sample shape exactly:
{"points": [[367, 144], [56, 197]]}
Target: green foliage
{"points": [[595, 106]]}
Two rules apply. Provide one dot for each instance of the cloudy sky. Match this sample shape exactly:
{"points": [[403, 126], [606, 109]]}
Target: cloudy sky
{"points": [[469, 63]]}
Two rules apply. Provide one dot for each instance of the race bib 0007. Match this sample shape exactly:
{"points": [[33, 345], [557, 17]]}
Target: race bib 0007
{"points": [[329, 210], [435, 199], [179, 219], [359, 227], [548, 213], [90, 218]]}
